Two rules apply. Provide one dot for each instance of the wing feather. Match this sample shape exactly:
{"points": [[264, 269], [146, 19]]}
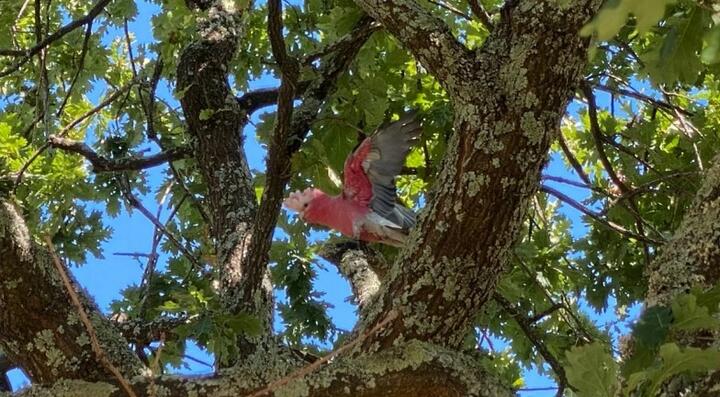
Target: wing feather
{"points": [[371, 170]]}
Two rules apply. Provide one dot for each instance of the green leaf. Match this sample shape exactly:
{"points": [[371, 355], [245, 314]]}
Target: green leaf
{"points": [[592, 371], [245, 323], [709, 299], [674, 361], [678, 58], [688, 315], [711, 52], [611, 18], [649, 333], [205, 114]]}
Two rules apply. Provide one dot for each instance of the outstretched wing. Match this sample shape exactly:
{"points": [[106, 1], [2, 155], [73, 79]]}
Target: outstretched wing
{"points": [[371, 169]]}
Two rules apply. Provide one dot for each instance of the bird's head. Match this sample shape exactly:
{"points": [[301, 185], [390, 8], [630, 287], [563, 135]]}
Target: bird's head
{"points": [[300, 201]]}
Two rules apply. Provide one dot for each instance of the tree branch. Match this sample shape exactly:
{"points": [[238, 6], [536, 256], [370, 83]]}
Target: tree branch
{"points": [[257, 99], [247, 292], [217, 141], [27, 54], [479, 11], [406, 370], [137, 204], [143, 332], [65, 130], [290, 129], [669, 107], [40, 331], [357, 263], [607, 165], [81, 66], [573, 160], [97, 348], [534, 336], [491, 171], [451, 8], [692, 257], [598, 217], [427, 38], [104, 164]]}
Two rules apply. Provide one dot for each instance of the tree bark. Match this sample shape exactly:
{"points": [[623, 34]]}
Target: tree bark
{"points": [[409, 370], [508, 98], [41, 331], [691, 259]]}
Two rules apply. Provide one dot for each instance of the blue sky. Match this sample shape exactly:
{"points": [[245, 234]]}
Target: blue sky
{"points": [[104, 278]]}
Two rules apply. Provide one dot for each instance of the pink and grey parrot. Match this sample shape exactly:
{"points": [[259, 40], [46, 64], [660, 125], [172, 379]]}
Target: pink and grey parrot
{"points": [[367, 209]]}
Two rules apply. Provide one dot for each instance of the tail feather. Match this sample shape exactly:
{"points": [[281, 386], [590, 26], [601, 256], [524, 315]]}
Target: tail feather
{"points": [[388, 231]]}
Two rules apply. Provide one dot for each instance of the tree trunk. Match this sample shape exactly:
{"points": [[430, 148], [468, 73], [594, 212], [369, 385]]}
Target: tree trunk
{"points": [[508, 97]]}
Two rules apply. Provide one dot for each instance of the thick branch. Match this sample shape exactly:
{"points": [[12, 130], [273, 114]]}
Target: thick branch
{"points": [[143, 332], [692, 256], [291, 128], [257, 99], [247, 293], [215, 124], [426, 37], [409, 370], [41, 331], [104, 164], [357, 264], [505, 121]]}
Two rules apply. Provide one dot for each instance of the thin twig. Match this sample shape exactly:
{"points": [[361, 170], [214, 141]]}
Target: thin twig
{"points": [[480, 12], [642, 97], [134, 254], [533, 335], [134, 202], [550, 310], [81, 66], [646, 187], [27, 54], [17, 20], [299, 373], [199, 361], [598, 137], [451, 9], [110, 99], [573, 160], [486, 337], [94, 341], [598, 217], [60, 33], [153, 258]]}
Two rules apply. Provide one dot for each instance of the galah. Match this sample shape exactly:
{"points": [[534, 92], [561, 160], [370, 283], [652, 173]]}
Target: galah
{"points": [[367, 209]]}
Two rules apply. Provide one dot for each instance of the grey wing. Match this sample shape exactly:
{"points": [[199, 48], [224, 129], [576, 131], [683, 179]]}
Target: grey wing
{"points": [[390, 146]]}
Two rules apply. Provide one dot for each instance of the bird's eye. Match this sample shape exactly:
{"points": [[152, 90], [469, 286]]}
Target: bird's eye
{"points": [[305, 205]]}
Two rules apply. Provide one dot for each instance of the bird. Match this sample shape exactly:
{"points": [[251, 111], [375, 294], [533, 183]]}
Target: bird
{"points": [[367, 209]]}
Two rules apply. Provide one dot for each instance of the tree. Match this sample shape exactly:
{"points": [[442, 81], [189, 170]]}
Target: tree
{"points": [[493, 251]]}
